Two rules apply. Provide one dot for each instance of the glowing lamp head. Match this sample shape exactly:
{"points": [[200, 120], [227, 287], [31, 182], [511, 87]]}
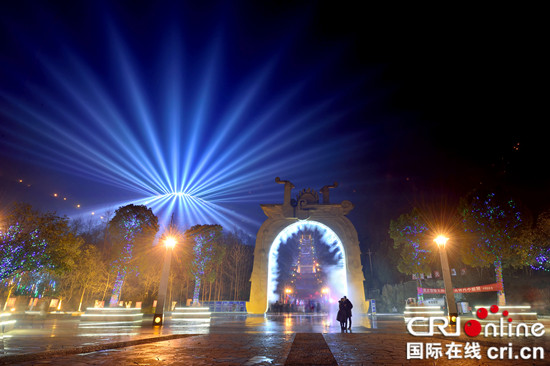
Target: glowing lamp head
{"points": [[170, 242], [158, 319], [441, 240], [325, 290], [288, 291]]}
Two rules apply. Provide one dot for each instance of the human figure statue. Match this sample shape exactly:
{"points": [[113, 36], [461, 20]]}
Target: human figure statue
{"points": [[325, 192], [348, 306], [288, 187]]}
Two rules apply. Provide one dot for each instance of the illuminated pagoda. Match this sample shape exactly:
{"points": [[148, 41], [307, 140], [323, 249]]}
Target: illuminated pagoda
{"points": [[307, 277]]}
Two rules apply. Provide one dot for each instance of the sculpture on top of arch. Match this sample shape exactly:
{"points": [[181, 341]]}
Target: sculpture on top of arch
{"points": [[292, 215]]}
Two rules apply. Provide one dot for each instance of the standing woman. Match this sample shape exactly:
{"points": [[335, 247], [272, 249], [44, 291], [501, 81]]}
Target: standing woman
{"points": [[347, 307], [342, 316]]}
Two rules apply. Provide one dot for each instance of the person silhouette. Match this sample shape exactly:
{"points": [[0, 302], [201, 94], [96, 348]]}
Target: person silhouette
{"points": [[342, 315], [347, 307]]}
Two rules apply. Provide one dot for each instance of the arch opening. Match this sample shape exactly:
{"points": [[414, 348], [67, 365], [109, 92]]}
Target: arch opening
{"points": [[336, 275]]}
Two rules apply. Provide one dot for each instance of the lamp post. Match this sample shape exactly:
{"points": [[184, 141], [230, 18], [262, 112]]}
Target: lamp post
{"points": [[170, 243], [441, 240]]}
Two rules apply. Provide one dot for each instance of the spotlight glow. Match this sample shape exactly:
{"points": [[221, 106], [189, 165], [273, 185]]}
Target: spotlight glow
{"points": [[178, 140]]}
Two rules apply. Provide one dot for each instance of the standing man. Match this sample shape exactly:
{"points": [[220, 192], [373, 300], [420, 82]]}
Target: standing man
{"points": [[348, 306]]}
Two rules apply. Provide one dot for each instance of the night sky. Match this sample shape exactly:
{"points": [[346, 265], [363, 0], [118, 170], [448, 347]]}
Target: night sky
{"points": [[401, 106]]}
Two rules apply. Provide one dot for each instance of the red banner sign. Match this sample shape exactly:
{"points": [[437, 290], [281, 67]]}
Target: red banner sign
{"points": [[464, 290]]}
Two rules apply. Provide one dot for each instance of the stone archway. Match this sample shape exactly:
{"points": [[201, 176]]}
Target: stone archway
{"points": [[306, 208]]}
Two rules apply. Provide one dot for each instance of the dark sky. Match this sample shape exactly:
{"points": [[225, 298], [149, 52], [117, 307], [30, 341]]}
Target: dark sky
{"points": [[425, 104]]}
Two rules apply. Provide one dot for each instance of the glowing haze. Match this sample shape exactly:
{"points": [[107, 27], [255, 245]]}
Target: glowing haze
{"points": [[337, 280], [171, 125]]}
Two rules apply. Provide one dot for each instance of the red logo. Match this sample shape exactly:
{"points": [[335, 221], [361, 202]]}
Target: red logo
{"points": [[472, 327]]}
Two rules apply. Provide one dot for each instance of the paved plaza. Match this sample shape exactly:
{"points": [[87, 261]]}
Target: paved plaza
{"points": [[240, 340]]}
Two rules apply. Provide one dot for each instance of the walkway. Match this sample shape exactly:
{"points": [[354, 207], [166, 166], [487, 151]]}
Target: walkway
{"points": [[243, 340]]}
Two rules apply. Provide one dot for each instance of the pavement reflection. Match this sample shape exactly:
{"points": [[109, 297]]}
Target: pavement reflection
{"points": [[50, 334]]}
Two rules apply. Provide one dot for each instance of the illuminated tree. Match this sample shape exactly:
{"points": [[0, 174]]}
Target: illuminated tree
{"points": [[149, 267], [498, 233], [130, 226], [410, 237], [91, 272], [237, 266], [34, 247], [36, 241], [234, 269], [212, 269], [20, 251], [540, 251], [204, 238]]}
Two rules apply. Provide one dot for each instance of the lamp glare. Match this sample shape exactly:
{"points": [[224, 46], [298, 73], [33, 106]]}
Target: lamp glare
{"points": [[170, 242], [441, 240]]}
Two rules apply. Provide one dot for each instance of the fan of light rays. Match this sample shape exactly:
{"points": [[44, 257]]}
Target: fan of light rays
{"points": [[173, 137]]}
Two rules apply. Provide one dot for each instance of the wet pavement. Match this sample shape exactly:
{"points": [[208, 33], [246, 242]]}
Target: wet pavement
{"points": [[237, 340], [54, 334]]}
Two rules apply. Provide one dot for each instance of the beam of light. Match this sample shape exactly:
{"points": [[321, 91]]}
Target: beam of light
{"points": [[250, 160], [122, 156], [230, 123], [241, 142], [179, 140], [338, 279]]}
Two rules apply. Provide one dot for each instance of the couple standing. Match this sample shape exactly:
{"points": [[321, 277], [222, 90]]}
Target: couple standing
{"points": [[344, 312]]}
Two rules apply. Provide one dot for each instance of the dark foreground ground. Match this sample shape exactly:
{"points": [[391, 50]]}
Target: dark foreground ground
{"points": [[247, 340]]}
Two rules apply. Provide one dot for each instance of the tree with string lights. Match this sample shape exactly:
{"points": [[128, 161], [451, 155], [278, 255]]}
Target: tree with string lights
{"points": [[204, 239], [410, 237], [497, 232], [540, 253], [131, 225], [35, 247], [20, 251]]}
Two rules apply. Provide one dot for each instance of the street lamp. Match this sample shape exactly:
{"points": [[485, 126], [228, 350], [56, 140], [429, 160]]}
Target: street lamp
{"points": [[441, 240], [170, 243]]}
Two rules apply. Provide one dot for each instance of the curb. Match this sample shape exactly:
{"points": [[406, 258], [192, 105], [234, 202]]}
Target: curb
{"points": [[4, 360]]}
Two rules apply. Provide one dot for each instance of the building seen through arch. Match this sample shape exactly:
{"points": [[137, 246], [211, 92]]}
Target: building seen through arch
{"points": [[303, 286]]}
